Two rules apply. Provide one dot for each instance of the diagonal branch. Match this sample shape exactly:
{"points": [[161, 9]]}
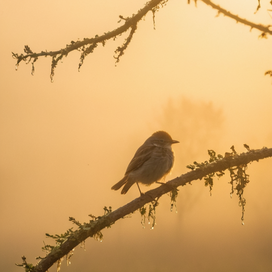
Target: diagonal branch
{"points": [[88, 45], [264, 29], [91, 43], [90, 230]]}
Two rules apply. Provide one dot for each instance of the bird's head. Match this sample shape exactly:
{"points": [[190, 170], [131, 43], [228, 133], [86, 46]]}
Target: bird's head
{"points": [[162, 139]]}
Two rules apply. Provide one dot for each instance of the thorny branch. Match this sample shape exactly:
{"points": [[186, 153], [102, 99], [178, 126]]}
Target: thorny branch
{"points": [[217, 164], [88, 45], [264, 29]]}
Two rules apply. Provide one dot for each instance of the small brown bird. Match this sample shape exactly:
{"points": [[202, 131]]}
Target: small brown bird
{"points": [[151, 162]]}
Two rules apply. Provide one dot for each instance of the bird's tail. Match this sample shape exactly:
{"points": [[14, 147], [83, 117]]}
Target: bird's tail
{"points": [[119, 184], [129, 183]]}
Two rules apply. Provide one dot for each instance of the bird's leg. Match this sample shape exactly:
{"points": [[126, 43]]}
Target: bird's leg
{"points": [[160, 182], [139, 189], [144, 194]]}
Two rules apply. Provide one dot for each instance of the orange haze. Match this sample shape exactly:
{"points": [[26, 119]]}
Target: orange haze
{"points": [[64, 144]]}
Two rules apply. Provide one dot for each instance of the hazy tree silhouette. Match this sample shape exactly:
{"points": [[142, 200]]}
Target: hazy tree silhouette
{"points": [[197, 124]]}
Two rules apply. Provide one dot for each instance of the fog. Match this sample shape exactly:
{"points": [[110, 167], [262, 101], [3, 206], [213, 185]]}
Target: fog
{"points": [[64, 144]]}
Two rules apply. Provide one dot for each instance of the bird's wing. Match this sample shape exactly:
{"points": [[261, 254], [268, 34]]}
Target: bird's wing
{"points": [[142, 155]]}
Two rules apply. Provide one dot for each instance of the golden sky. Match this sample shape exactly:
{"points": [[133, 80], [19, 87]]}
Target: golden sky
{"points": [[64, 144]]}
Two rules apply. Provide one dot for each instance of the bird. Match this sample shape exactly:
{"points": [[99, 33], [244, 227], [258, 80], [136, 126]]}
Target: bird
{"points": [[152, 161]]}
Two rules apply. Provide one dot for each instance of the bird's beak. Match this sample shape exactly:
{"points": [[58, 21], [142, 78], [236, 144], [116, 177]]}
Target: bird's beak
{"points": [[175, 142]]}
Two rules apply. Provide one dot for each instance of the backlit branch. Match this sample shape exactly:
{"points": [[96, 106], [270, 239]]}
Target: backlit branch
{"points": [[264, 29], [217, 165], [87, 45]]}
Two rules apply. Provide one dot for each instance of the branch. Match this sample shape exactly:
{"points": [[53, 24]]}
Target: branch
{"points": [[93, 228], [87, 45], [264, 29]]}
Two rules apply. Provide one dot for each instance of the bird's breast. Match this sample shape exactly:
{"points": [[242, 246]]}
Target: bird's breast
{"points": [[159, 164]]}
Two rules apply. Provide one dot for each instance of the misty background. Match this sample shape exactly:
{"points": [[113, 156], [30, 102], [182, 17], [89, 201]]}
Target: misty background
{"points": [[64, 144]]}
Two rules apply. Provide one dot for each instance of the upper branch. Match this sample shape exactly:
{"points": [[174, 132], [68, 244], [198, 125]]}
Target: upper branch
{"points": [[87, 45], [264, 29], [91, 43], [95, 226]]}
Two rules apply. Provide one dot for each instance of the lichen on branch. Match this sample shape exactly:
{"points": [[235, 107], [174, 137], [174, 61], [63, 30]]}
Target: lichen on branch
{"points": [[65, 243], [88, 45]]}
